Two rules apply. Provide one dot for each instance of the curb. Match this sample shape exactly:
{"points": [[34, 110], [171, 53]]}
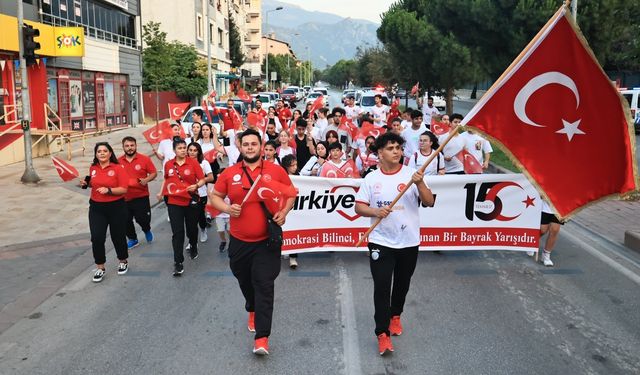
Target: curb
{"points": [[47, 242], [632, 240]]}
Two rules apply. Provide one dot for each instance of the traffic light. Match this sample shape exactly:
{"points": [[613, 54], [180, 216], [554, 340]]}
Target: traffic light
{"points": [[30, 45]]}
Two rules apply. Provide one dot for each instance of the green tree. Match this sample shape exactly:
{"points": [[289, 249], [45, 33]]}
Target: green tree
{"points": [[235, 45], [170, 65]]}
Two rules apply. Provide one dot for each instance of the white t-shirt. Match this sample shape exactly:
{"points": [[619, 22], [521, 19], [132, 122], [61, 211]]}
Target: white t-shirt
{"points": [[427, 113], [412, 139], [352, 113], [381, 114], [406, 124], [476, 145], [232, 154], [455, 145], [418, 159], [206, 168], [282, 152], [166, 149], [206, 146], [402, 227]]}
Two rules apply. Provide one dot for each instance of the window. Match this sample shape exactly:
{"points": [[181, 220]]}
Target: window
{"points": [[212, 29], [220, 38], [199, 30]]}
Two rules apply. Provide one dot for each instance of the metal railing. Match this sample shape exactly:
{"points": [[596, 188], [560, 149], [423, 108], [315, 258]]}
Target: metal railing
{"points": [[91, 31]]}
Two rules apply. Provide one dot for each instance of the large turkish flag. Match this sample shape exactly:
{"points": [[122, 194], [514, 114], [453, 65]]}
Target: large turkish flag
{"points": [[561, 119]]}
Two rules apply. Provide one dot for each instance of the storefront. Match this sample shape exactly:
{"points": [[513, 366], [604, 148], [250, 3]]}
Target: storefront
{"points": [[88, 101]]}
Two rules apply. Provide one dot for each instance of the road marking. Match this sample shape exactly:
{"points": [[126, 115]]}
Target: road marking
{"points": [[349, 327], [217, 274], [633, 276], [309, 273]]}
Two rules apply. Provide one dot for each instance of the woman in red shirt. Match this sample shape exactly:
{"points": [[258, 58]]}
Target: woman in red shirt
{"points": [[182, 178], [107, 208]]}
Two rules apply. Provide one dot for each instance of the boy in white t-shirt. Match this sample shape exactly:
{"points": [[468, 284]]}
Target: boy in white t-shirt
{"points": [[393, 244], [222, 225]]}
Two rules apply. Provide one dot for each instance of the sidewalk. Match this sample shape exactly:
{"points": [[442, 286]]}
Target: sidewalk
{"points": [[52, 208]]}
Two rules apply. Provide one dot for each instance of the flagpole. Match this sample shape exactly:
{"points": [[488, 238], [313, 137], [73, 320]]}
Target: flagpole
{"points": [[408, 185]]}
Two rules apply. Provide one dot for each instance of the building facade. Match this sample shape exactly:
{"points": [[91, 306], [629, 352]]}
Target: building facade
{"points": [[96, 91]]}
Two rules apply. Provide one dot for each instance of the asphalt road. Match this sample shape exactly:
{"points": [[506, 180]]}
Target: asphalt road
{"points": [[476, 312]]}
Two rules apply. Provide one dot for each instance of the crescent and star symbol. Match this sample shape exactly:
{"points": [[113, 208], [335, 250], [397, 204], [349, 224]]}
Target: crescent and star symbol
{"points": [[536, 83], [262, 189]]}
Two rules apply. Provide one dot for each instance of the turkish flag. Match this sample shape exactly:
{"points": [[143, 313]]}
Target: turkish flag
{"points": [[368, 129], [159, 132], [415, 88], [257, 121], [272, 193], [176, 188], [207, 111], [212, 211], [317, 104], [244, 96], [470, 163], [439, 128], [330, 170], [561, 119], [349, 170], [348, 126], [176, 110], [395, 104], [210, 155], [393, 113], [66, 171]]}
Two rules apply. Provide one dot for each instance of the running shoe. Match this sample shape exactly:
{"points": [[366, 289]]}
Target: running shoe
{"points": [[395, 327], [546, 259], [222, 246], [293, 263], [261, 346], [193, 253], [384, 344], [149, 236], [178, 269], [98, 275], [132, 243], [123, 267], [251, 323], [531, 253], [203, 235]]}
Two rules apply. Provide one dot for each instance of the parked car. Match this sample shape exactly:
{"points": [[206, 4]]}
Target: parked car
{"points": [[633, 98], [323, 91], [367, 100], [346, 93], [313, 96], [267, 100], [299, 92], [187, 118], [307, 89], [439, 102], [289, 95]]}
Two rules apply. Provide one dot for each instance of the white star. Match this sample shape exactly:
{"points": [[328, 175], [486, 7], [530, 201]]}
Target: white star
{"points": [[570, 129], [276, 199]]}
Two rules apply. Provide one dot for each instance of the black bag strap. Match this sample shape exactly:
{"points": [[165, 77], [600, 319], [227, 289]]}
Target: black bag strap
{"points": [[264, 207]]}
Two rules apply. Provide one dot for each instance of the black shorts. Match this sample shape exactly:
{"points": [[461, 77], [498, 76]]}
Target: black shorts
{"points": [[550, 218]]}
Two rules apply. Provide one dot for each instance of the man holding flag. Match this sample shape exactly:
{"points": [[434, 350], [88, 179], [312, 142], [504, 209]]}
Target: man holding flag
{"points": [[256, 189]]}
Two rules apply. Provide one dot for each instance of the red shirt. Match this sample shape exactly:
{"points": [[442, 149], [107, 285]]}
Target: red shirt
{"points": [[111, 176], [251, 225], [139, 167], [190, 171], [227, 118]]}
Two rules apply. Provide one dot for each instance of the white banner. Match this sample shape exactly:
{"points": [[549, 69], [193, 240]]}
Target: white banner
{"points": [[471, 212]]}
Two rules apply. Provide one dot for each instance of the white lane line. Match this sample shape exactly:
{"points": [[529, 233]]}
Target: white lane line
{"points": [[349, 326], [633, 276]]}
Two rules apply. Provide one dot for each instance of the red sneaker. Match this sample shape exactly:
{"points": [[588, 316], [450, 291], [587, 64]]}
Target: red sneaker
{"points": [[261, 346], [251, 324], [395, 327], [384, 344]]}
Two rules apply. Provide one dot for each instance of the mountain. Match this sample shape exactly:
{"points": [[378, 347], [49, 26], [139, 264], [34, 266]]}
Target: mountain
{"points": [[330, 37]]}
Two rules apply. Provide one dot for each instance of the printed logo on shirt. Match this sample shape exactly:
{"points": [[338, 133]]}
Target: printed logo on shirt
{"points": [[401, 186], [236, 179], [377, 188], [170, 172], [111, 173], [187, 172], [93, 173], [266, 177], [137, 167]]}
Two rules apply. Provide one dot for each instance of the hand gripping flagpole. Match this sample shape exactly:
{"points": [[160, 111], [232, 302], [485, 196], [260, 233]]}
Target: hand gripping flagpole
{"points": [[408, 185]]}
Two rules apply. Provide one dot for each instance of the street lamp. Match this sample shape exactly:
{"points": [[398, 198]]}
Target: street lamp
{"points": [[267, 47]]}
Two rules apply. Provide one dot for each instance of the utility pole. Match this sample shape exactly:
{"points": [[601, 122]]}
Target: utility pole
{"points": [[267, 75], [30, 175], [208, 41]]}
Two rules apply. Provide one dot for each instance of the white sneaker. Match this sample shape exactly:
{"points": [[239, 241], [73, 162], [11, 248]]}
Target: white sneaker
{"points": [[293, 263], [546, 259], [531, 253], [203, 235], [98, 275], [188, 247]]}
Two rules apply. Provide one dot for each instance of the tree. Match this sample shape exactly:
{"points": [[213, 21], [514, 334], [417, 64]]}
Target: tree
{"points": [[235, 44], [170, 65]]}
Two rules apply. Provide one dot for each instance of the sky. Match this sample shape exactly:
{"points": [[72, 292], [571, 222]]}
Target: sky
{"points": [[363, 9]]}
